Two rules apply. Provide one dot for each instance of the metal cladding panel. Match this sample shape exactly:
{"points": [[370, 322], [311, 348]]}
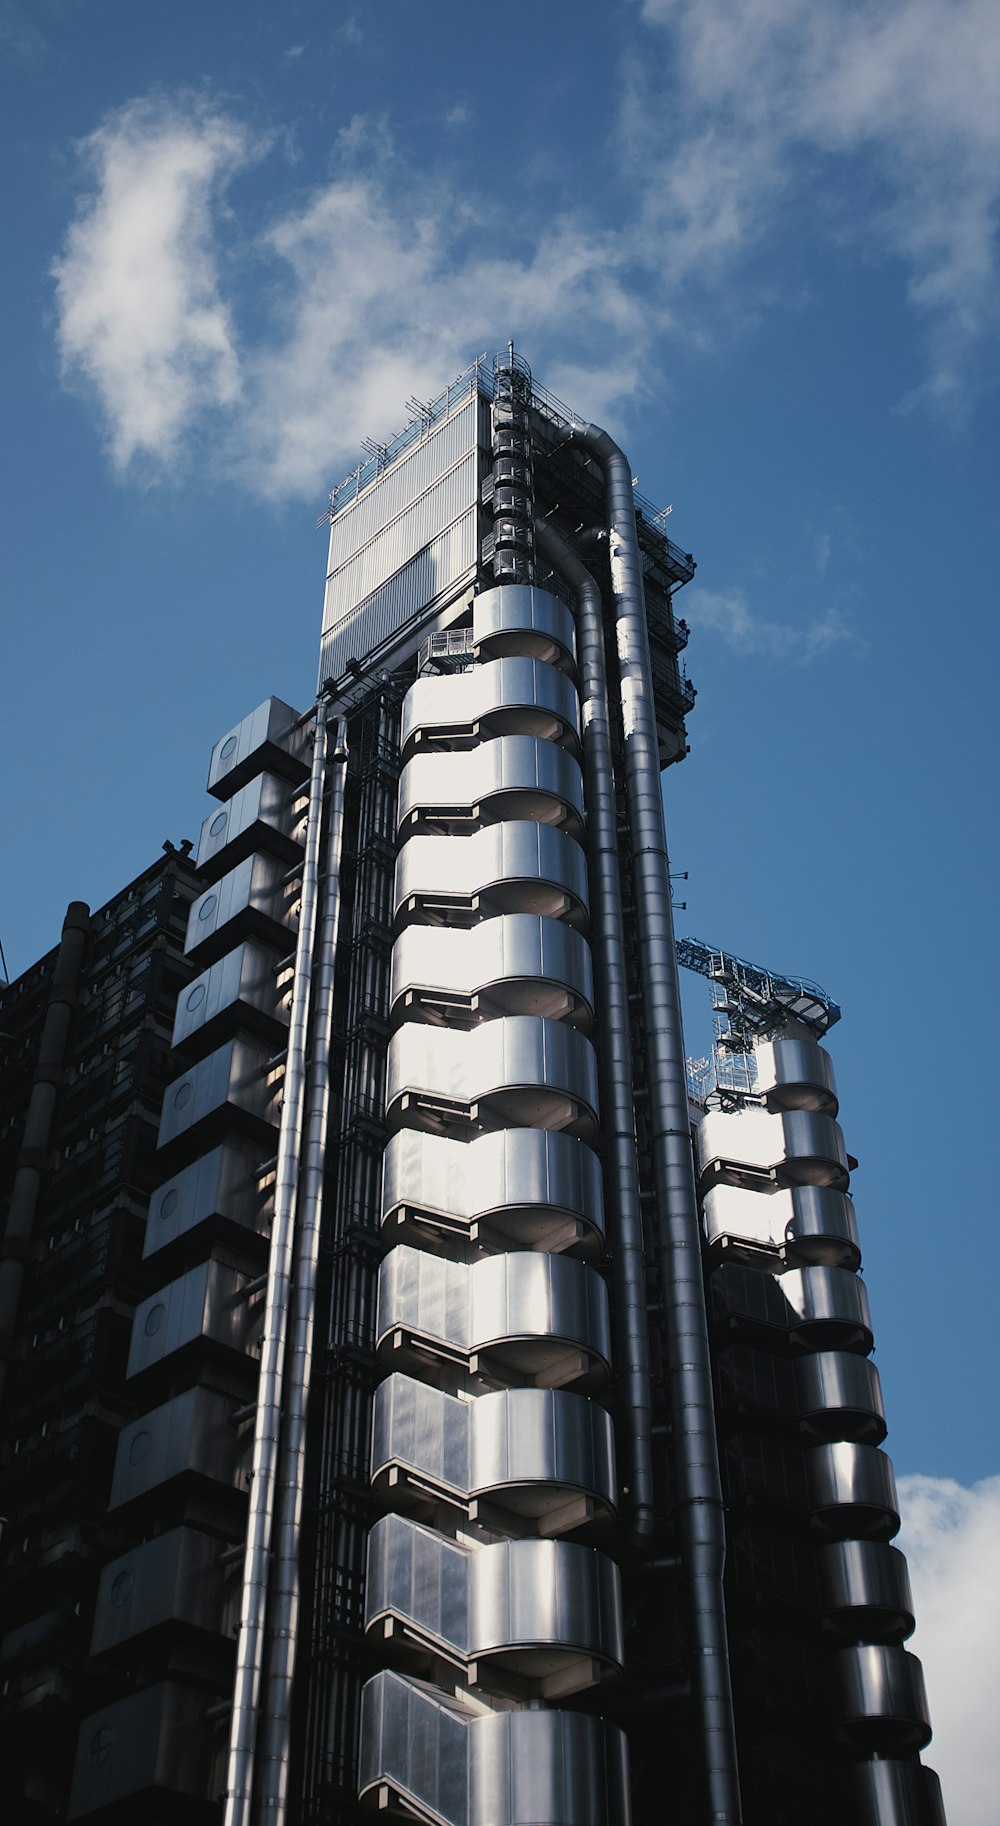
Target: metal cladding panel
{"points": [[208, 1303], [471, 1768], [253, 888], [545, 1592], [396, 607], [404, 483], [422, 519], [816, 1306], [516, 961], [487, 1600], [795, 1074], [511, 777], [236, 1074], [514, 1437], [156, 1740], [882, 1697], [175, 1578], [519, 1069], [267, 814], [866, 1590], [808, 1223], [223, 1183], [268, 736], [852, 1490], [517, 618], [804, 1147], [504, 1298], [889, 1793], [834, 1386], [503, 1174], [192, 1433], [516, 863], [502, 696], [244, 977]]}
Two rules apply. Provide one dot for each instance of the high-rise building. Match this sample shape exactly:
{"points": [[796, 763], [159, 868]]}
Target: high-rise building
{"points": [[498, 1441]]}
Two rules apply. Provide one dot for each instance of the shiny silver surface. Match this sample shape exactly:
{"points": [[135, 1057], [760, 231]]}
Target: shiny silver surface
{"points": [[531, 1454], [238, 1076], [238, 990], [515, 964], [205, 1303], [519, 1070], [518, 618], [545, 1611], [840, 1397], [252, 901], [628, 1267], [512, 777], [500, 697], [820, 1308], [457, 1766], [530, 1188], [676, 1224], [151, 1742], [852, 1491], [175, 1578], [514, 867], [224, 1184], [866, 1591], [885, 1792], [272, 737], [881, 1699], [807, 1224], [273, 1753], [801, 1147], [795, 1074], [277, 1297], [538, 1318], [266, 814], [192, 1433]]}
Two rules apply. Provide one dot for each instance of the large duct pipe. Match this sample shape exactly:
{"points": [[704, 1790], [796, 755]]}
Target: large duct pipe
{"points": [[15, 1249], [677, 1228], [273, 1756], [267, 1426], [615, 1049]]}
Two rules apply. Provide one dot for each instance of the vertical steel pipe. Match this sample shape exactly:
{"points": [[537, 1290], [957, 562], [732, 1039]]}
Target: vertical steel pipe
{"points": [[614, 1050], [283, 1611], [267, 1427], [677, 1229]]}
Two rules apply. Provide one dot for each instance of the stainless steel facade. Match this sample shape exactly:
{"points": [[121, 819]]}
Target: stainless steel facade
{"points": [[528, 1406]]}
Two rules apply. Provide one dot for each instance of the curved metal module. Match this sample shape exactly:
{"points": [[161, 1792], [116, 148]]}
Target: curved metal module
{"points": [[516, 964], [514, 776], [519, 1071], [504, 697], [517, 866], [524, 1188]]}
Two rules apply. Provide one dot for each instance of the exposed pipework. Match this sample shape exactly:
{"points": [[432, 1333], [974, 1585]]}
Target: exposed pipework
{"points": [[273, 1780], [48, 1074], [614, 1052], [677, 1231], [267, 1428]]}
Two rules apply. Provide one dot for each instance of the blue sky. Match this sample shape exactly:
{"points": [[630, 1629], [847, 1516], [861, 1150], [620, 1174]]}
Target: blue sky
{"points": [[758, 240]]}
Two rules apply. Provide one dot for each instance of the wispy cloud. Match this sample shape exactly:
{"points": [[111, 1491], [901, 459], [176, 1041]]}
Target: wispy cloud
{"points": [[141, 313], [386, 278], [950, 1535], [780, 99], [728, 614]]}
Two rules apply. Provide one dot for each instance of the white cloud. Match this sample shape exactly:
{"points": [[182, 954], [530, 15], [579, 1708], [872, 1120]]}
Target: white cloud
{"points": [[141, 315], [780, 99], [950, 1536], [728, 614]]}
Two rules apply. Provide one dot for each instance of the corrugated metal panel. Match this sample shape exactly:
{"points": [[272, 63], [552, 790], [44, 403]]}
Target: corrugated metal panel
{"points": [[420, 523], [415, 588], [404, 482]]}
